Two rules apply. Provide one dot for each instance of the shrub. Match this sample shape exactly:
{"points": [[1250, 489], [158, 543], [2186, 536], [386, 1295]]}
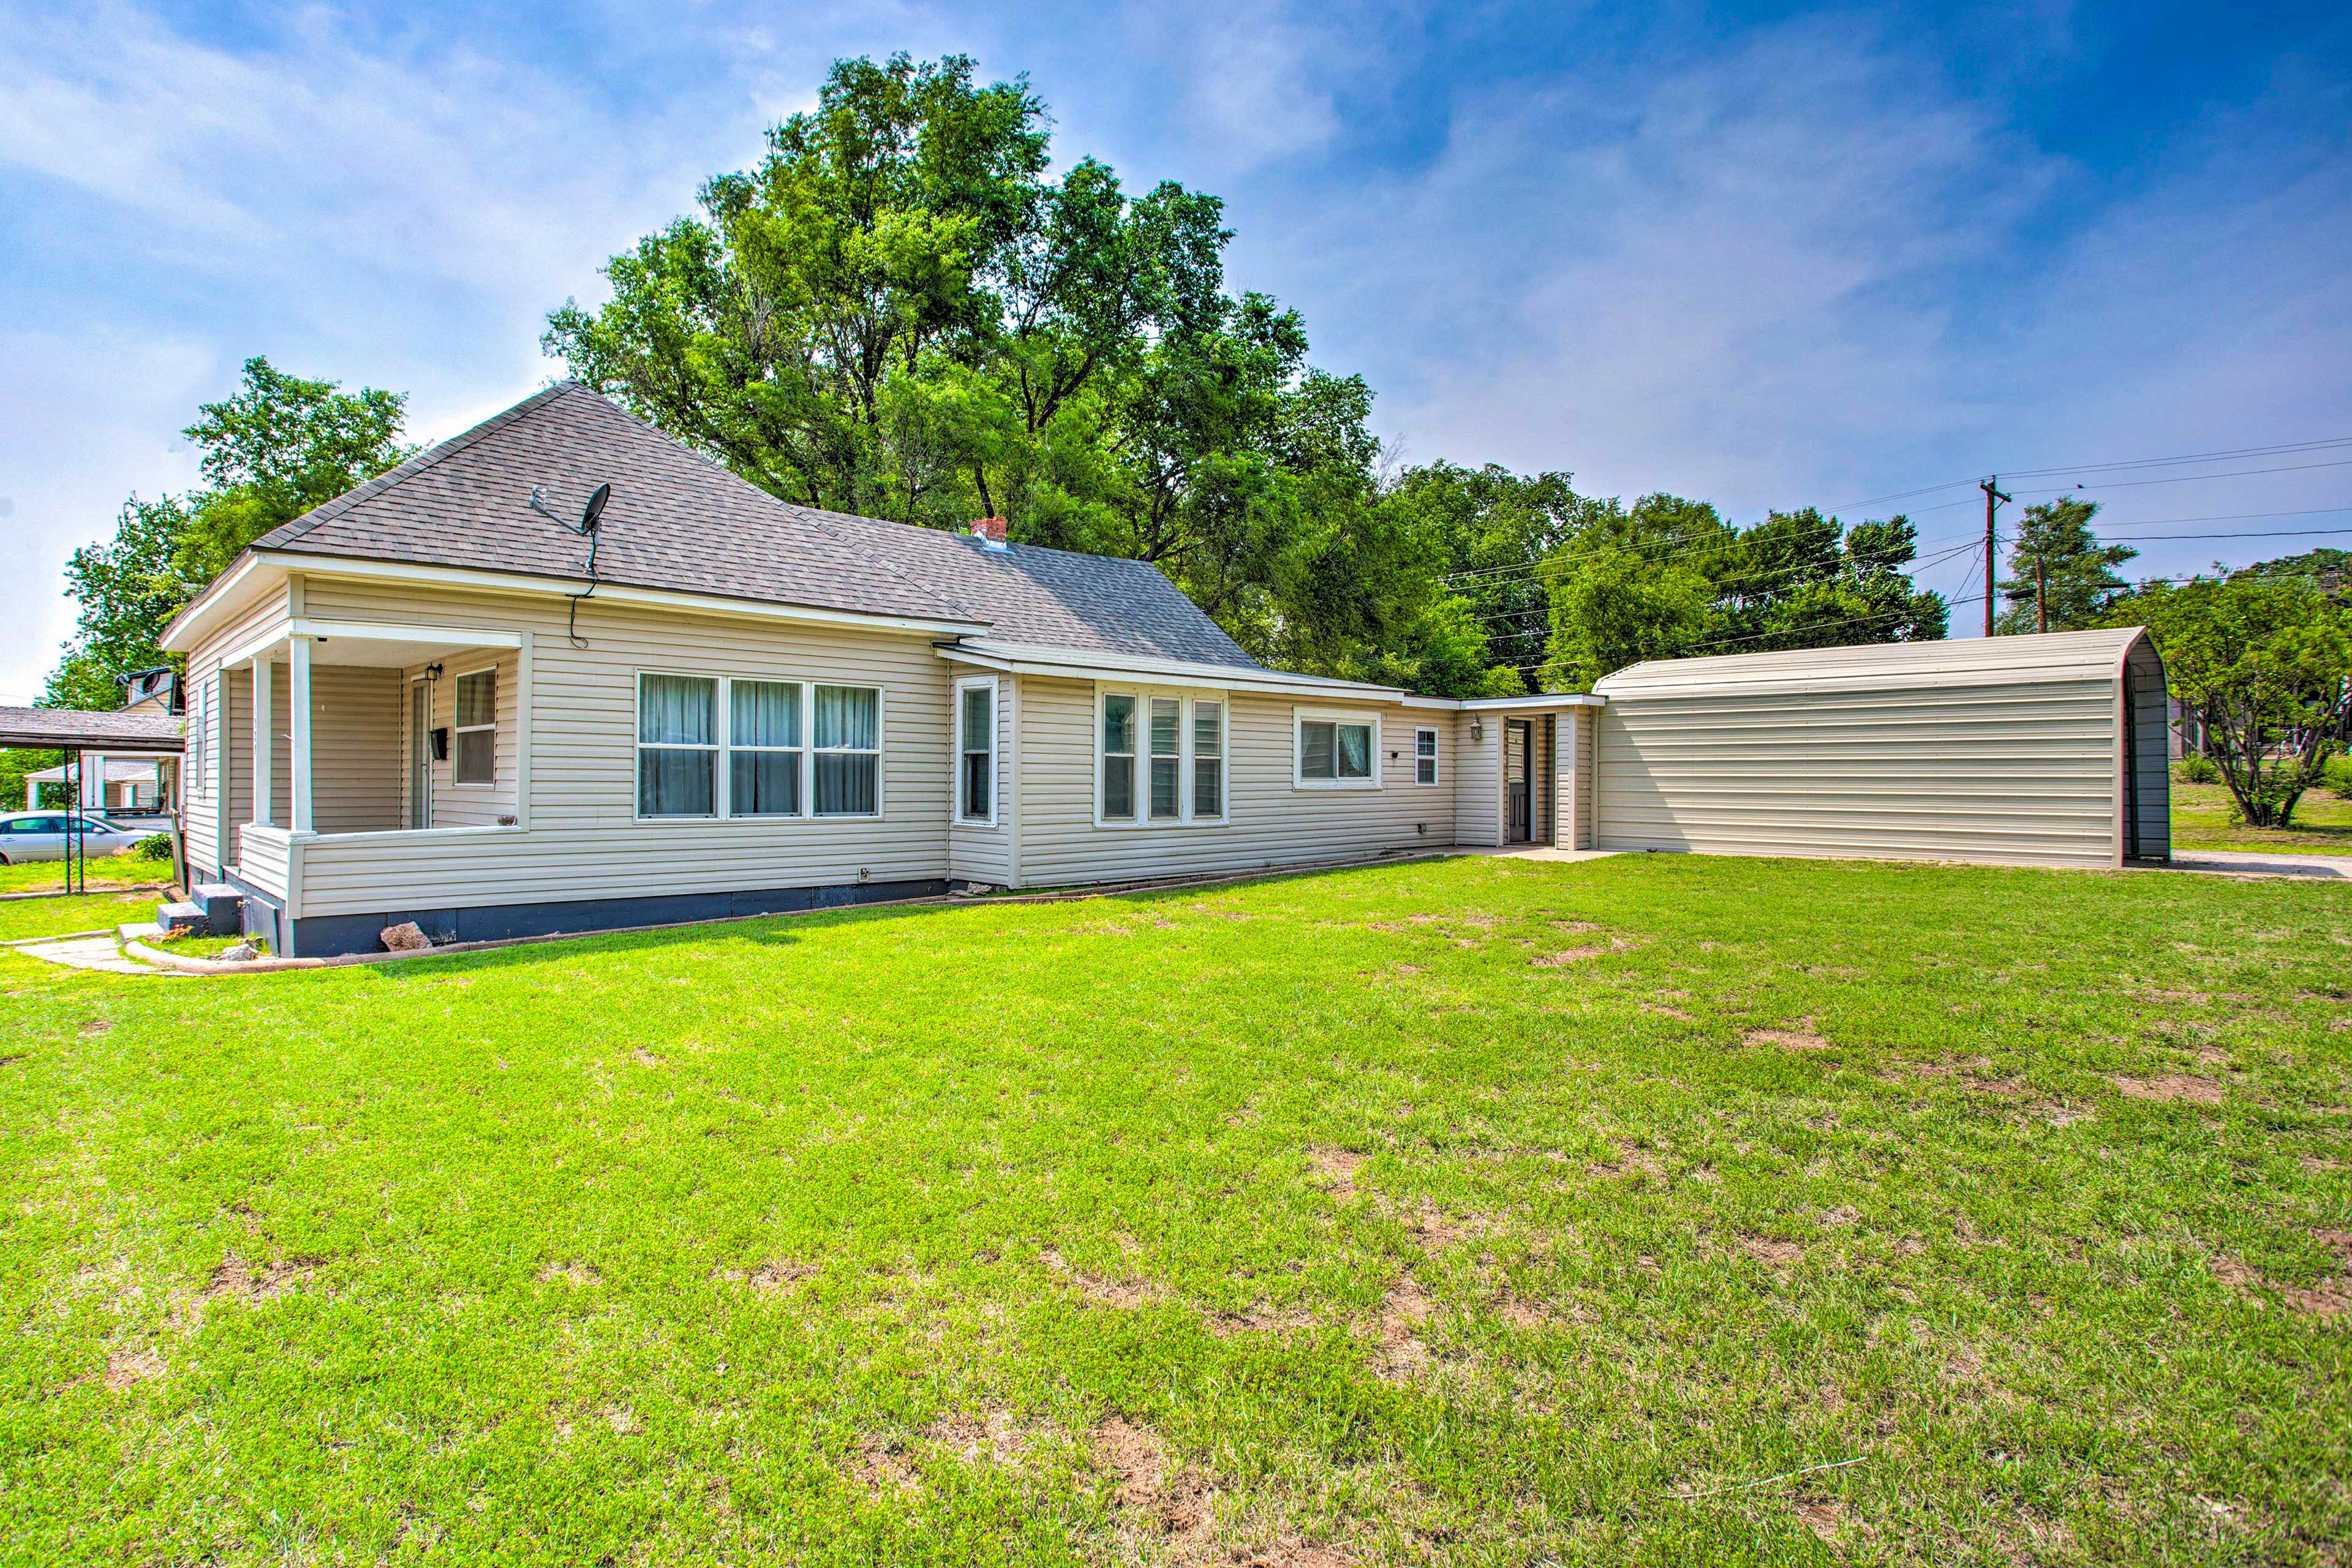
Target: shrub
{"points": [[2337, 777], [2197, 768], [154, 846]]}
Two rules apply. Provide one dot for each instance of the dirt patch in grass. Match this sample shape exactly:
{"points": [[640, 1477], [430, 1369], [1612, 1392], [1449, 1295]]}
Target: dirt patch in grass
{"points": [[1260, 1318], [1148, 1495], [994, 1434], [770, 1278], [96, 1026], [883, 1468], [1098, 1290], [576, 1275], [1337, 1167], [1770, 1250], [239, 1281], [1567, 956], [1823, 1516], [125, 1368], [1802, 1037], [2177, 1086], [1402, 1355]]}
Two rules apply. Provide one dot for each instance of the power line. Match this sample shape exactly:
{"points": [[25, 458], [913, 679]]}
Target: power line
{"points": [[2231, 455]]}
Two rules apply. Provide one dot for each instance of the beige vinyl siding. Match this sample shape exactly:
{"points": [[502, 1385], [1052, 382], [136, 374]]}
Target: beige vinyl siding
{"points": [[1270, 822], [1588, 748], [355, 749], [1478, 779], [201, 805], [978, 854], [584, 840], [456, 805], [2019, 772], [1572, 761], [237, 690]]}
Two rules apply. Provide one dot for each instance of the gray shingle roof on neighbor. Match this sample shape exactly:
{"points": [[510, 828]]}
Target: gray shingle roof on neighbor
{"points": [[64, 728], [679, 521]]}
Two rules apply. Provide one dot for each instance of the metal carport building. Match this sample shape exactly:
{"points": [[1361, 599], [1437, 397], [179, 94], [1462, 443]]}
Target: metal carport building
{"points": [[2039, 751]]}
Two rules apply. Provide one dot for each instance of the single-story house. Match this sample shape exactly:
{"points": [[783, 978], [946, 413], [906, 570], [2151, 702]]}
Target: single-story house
{"points": [[140, 785], [437, 698]]}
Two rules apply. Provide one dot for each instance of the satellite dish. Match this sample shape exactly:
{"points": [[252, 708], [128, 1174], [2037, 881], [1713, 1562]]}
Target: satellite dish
{"points": [[595, 508]]}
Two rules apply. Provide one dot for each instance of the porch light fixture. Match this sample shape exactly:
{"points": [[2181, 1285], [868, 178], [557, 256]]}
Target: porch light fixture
{"points": [[1478, 728]]}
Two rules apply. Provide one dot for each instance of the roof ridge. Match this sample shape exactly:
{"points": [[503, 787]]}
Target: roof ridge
{"points": [[328, 511]]}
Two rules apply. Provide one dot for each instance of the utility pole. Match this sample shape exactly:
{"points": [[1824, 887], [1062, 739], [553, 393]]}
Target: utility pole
{"points": [[1993, 498], [2040, 597]]}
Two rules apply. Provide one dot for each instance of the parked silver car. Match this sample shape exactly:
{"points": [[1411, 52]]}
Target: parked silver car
{"points": [[41, 835]]}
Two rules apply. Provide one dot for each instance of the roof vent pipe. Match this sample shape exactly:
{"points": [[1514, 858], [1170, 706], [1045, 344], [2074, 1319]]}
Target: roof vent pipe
{"points": [[990, 532]]}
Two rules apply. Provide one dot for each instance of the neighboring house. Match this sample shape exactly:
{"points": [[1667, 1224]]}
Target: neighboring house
{"points": [[474, 717], [127, 759], [140, 785]]}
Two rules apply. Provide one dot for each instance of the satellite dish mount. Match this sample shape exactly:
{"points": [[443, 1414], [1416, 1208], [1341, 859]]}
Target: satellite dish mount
{"points": [[588, 514]]}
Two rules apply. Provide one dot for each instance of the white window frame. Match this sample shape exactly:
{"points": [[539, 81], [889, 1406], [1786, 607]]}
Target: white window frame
{"points": [[722, 782], [197, 787], [1185, 697], [725, 789], [1223, 758], [1436, 772], [1301, 717], [957, 751], [456, 745], [638, 745]]}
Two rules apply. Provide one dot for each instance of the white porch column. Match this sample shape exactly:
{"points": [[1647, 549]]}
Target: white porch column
{"points": [[93, 782], [1565, 803], [264, 754], [298, 703]]}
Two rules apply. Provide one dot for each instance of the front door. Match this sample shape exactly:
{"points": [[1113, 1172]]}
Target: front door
{"points": [[420, 759], [1519, 799]]}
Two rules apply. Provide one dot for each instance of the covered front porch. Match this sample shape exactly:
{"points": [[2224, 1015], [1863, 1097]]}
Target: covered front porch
{"points": [[366, 734]]}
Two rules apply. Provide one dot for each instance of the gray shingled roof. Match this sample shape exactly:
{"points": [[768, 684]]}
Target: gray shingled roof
{"points": [[681, 522], [66, 728]]}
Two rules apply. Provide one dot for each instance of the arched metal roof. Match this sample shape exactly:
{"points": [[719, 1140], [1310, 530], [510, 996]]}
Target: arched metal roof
{"points": [[1879, 667]]}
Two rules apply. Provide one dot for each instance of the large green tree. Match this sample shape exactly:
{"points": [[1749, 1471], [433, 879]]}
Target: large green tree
{"points": [[2265, 664], [1668, 577], [2061, 578], [270, 452], [1490, 530], [900, 313]]}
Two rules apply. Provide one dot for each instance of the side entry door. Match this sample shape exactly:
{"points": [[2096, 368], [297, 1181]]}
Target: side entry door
{"points": [[1519, 799]]}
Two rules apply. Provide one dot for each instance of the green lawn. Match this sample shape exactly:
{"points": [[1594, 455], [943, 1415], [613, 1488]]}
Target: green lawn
{"points": [[2202, 819], [1479, 1211], [101, 909], [105, 871]]}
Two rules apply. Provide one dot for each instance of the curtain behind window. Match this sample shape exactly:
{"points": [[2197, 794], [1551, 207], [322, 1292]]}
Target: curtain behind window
{"points": [[1355, 750], [677, 710], [849, 716], [764, 713]]}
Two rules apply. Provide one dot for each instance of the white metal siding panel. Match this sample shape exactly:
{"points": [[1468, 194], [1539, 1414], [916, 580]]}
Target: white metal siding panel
{"points": [[264, 858], [236, 694], [1270, 822], [2017, 773], [979, 854], [583, 841], [355, 749]]}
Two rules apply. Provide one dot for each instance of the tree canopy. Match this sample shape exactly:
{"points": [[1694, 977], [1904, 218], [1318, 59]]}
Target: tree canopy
{"points": [[276, 448], [1668, 577], [2265, 663], [2076, 579]]}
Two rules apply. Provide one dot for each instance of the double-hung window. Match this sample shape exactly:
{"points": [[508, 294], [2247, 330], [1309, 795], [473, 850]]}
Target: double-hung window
{"points": [[1208, 759], [976, 751], [477, 758], [1424, 756], [763, 748], [848, 733], [1119, 757], [1167, 758], [1337, 752], [677, 745]]}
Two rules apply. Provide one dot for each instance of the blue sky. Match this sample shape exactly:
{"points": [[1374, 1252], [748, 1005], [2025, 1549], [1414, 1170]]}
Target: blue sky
{"points": [[1767, 256]]}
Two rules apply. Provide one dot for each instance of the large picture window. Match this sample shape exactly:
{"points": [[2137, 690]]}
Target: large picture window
{"points": [[976, 751], [476, 759], [763, 748], [1118, 758], [677, 745], [1338, 752], [848, 750]]}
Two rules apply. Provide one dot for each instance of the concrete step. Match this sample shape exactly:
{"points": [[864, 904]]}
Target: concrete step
{"points": [[138, 931], [223, 905], [182, 916]]}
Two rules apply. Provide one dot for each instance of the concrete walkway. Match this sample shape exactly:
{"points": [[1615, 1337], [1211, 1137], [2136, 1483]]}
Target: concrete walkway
{"points": [[2285, 863], [98, 953], [1534, 852]]}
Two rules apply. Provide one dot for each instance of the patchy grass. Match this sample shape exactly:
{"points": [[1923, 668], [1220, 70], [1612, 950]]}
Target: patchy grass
{"points": [[108, 871], [99, 910], [192, 945], [2202, 819], [1318, 1221]]}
